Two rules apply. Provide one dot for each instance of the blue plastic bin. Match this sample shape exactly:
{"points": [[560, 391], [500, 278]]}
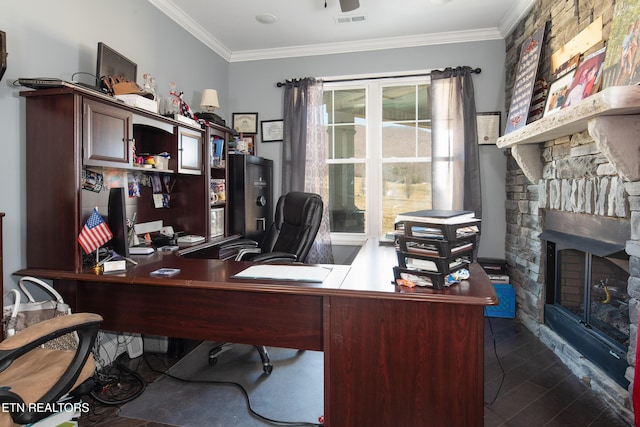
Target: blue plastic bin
{"points": [[506, 307]]}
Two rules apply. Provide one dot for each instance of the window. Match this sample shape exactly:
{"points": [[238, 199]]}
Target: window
{"points": [[379, 154]]}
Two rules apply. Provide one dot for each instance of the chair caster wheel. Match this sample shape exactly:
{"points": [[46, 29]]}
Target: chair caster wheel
{"points": [[267, 369]]}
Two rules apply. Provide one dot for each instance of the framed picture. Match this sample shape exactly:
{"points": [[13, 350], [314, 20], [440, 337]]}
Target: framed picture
{"points": [[247, 145], [622, 66], [557, 93], [488, 127], [245, 122], [587, 78], [272, 130]]}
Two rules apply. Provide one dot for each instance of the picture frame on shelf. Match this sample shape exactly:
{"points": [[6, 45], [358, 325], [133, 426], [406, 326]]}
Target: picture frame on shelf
{"points": [[557, 93], [272, 130], [245, 122], [246, 145], [587, 78]]}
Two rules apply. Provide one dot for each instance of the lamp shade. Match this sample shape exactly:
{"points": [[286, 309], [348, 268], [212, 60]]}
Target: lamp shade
{"points": [[210, 99]]}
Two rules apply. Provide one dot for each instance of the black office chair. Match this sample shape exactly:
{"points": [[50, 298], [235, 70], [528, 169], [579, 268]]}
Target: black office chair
{"points": [[288, 240], [30, 373]]}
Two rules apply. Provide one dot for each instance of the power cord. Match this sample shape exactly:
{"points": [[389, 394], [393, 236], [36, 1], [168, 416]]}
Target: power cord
{"points": [[242, 390], [117, 384], [495, 352]]}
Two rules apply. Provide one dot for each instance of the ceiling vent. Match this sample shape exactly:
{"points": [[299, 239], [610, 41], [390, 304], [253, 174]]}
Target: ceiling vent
{"points": [[351, 18]]}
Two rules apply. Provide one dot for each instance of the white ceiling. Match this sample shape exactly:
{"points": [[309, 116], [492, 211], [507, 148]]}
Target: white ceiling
{"points": [[307, 27]]}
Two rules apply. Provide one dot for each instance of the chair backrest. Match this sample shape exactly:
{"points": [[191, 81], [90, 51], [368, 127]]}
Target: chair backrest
{"points": [[296, 223]]}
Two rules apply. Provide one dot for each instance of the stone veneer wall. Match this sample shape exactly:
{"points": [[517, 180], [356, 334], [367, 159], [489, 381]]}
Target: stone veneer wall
{"points": [[576, 178]]}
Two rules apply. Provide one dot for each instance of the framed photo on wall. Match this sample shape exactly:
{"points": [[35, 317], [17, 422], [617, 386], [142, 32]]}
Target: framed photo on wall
{"points": [[245, 122], [488, 127], [272, 130]]}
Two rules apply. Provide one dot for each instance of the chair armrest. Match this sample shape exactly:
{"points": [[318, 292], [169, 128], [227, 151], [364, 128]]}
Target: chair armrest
{"points": [[275, 257], [239, 244], [247, 253]]}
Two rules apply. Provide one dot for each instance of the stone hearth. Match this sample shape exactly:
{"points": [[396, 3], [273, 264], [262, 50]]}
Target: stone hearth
{"points": [[584, 160]]}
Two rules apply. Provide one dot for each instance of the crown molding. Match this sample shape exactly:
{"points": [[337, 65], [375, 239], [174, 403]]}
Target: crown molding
{"points": [[175, 13], [367, 45], [515, 14], [519, 10]]}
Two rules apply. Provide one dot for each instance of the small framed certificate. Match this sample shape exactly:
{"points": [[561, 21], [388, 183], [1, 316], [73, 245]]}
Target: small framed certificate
{"points": [[488, 127], [272, 130], [245, 122]]}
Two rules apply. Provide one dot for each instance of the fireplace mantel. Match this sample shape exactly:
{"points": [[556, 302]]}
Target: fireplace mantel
{"points": [[612, 118]]}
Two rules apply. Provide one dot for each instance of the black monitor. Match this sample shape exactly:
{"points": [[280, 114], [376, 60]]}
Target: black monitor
{"points": [[112, 63], [117, 221]]}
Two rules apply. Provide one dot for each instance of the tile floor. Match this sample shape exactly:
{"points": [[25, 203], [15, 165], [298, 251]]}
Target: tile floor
{"points": [[537, 390]]}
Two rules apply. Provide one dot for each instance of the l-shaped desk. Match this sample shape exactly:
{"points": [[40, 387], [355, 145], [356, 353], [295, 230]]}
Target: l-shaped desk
{"points": [[393, 356]]}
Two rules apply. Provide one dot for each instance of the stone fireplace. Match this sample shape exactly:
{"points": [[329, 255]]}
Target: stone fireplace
{"points": [[586, 298], [573, 192]]}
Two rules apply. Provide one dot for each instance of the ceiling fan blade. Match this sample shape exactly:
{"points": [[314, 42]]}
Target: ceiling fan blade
{"points": [[349, 5]]}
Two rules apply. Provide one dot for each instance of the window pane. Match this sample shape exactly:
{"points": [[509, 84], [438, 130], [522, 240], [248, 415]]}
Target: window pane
{"points": [[399, 103], [347, 141], [349, 105], [406, 187], [328, 102], [347, 199], [399, 140], [424, 103], [424, 139]]}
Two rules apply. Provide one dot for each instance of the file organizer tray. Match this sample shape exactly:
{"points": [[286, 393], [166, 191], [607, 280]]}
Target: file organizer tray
{"points": [[428, 279], [449, 232], [436, 248]]}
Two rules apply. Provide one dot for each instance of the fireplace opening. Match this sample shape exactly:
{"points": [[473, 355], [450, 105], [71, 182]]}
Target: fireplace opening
{"points": [[586, 297]]}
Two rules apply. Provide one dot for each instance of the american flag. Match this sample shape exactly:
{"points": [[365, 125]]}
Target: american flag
{"points": [[95, 233]]}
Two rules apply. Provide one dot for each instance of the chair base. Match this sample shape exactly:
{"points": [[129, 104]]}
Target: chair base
{"points": [[267, 367]]}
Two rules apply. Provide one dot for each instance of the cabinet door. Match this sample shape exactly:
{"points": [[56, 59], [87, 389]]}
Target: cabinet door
{"points": [[106, 135], [189, 151]]}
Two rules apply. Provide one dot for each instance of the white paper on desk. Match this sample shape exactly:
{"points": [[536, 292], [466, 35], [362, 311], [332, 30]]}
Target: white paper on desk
{"points": [[301, 273]]}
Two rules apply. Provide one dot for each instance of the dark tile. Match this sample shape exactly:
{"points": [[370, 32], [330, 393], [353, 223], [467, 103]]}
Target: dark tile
{"points": [[510, 403], [584, 411]]}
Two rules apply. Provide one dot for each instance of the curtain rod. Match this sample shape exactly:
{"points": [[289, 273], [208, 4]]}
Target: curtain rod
{"points": [[281, 84]]}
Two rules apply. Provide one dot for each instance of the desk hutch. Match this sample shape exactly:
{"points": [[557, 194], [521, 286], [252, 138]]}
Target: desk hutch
{"points": [[72, 130]]}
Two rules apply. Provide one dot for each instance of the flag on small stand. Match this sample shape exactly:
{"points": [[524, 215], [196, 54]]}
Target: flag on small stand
{"points": [[95, 233]]}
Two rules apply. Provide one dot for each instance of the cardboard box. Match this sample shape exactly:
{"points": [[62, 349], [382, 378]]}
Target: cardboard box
{"points": [[139, 102]]}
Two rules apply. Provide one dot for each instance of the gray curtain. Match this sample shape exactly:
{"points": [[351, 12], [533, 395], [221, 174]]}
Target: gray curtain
{"points": [[454, 142], [304, 155], [294, 140]]}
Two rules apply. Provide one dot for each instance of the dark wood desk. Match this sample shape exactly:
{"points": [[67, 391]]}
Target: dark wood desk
{"points": [[393, 356]]}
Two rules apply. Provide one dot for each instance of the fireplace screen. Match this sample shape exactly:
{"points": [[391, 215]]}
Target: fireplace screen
{"points": [[594, 289]]}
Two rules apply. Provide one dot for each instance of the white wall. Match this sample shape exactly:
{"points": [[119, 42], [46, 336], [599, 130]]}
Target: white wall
{"points": [[252, 87], [59, 38]]}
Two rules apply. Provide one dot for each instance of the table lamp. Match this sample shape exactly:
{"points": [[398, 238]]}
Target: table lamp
{"points": [[210, 102]]}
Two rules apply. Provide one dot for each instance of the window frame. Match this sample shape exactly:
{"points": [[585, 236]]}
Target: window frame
{"points": [[373, 161]]}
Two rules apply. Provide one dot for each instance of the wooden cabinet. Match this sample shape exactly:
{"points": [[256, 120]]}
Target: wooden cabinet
{"points": [[72, 131], [189, 151], [107, 135]]}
